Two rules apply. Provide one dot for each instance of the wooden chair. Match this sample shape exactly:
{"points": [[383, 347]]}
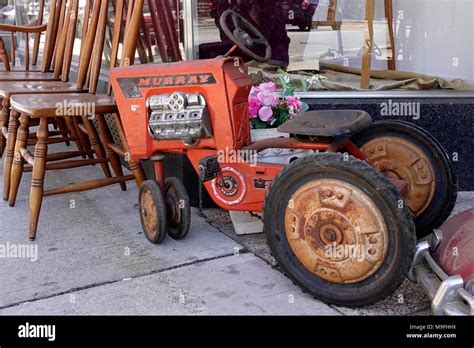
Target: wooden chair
{"points": [[3, 53], [31, 72], [62, 63], [54, 30], [165, 31], [44, 106]]}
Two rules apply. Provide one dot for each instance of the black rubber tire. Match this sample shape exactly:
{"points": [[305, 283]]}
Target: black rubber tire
{"points": [[180, 230], [399, 222], [446, 192], [158, 234]]}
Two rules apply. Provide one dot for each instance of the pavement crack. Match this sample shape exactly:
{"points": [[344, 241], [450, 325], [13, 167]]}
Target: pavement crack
{"points": [[213, 224], [99, 284], [336, 308], [420, 310], [237, 240]]}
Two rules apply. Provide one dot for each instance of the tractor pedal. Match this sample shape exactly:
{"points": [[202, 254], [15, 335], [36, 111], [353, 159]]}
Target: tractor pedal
{"points": [[209, 168]]}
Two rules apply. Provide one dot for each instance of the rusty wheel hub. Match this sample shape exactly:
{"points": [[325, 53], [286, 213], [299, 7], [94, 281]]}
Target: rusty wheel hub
{"points": [[336, 231], [148, 211], [400, 159], [173, 208]]}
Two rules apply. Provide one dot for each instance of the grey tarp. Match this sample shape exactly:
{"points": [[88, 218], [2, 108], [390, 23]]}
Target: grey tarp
{"points": [[340, 78]]}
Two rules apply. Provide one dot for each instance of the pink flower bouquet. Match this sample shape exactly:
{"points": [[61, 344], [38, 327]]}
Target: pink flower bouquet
{"points": [[266, 110]]}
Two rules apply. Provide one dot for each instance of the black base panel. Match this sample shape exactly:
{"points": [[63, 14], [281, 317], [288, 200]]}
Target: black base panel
{"points": [[222, 331]]}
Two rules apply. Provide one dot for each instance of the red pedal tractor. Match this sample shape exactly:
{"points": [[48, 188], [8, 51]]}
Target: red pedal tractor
{"points": [[341, 223]]}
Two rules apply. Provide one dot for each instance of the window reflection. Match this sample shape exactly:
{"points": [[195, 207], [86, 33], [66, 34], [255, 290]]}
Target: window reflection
{"points": [[328, 40], [269, 16], [323, 40]]}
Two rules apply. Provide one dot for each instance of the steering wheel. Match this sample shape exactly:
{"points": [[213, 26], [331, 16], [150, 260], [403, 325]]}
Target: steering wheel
{"points": [[245, 36], [376, 49]]}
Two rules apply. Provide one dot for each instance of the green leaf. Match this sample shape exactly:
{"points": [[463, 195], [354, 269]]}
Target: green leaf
{"points": [[282, 77], [282, 108], [304, 107], [283, 82], [257, 123], [290, 92], [284, 119], [304, 84], [284, 114]]}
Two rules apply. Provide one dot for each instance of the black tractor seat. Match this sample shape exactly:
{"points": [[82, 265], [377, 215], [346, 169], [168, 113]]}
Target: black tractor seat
{"points": [[328, 123]]}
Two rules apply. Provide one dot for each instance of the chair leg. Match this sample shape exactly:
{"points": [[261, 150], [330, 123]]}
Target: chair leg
{"points": [[18, 161], [37, 182], [4, 56], [135, 167], [83, 138], [111, 156], [74, 132], [4, 118], [9, 153], [61, 124], [95, 142]]}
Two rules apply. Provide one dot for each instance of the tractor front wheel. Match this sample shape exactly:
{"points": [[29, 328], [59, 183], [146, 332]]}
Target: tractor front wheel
{"points": [[339, 229], [152, 211], [179, 211]]}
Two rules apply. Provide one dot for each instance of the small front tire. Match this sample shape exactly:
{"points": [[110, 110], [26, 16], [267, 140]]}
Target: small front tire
{"points": [[179, 210], [152, 211]]}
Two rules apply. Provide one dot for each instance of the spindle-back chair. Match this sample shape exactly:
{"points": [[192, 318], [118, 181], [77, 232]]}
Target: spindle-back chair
{"points": [[44, 107], [30, 70], [61, 59]]}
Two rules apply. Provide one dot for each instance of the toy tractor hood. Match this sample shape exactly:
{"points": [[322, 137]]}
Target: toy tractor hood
{"points": [[220, 85]]}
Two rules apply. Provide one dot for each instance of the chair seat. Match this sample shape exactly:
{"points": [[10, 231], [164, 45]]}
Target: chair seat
{"points": [[70, 104], [328, 123], [26, 76], [7, 89], [21, 68]]}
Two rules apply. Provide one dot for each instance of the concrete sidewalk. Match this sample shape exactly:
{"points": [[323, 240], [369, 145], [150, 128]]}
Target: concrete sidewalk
{"points": [[94, 259]]}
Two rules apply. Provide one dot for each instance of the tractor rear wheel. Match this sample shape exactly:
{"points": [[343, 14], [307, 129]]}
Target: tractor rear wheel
{"points": [[339, 229], [152, 211], [404, 151]]}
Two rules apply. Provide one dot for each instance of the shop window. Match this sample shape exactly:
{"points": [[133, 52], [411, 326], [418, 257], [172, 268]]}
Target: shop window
{"points": [[423, 44]]}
